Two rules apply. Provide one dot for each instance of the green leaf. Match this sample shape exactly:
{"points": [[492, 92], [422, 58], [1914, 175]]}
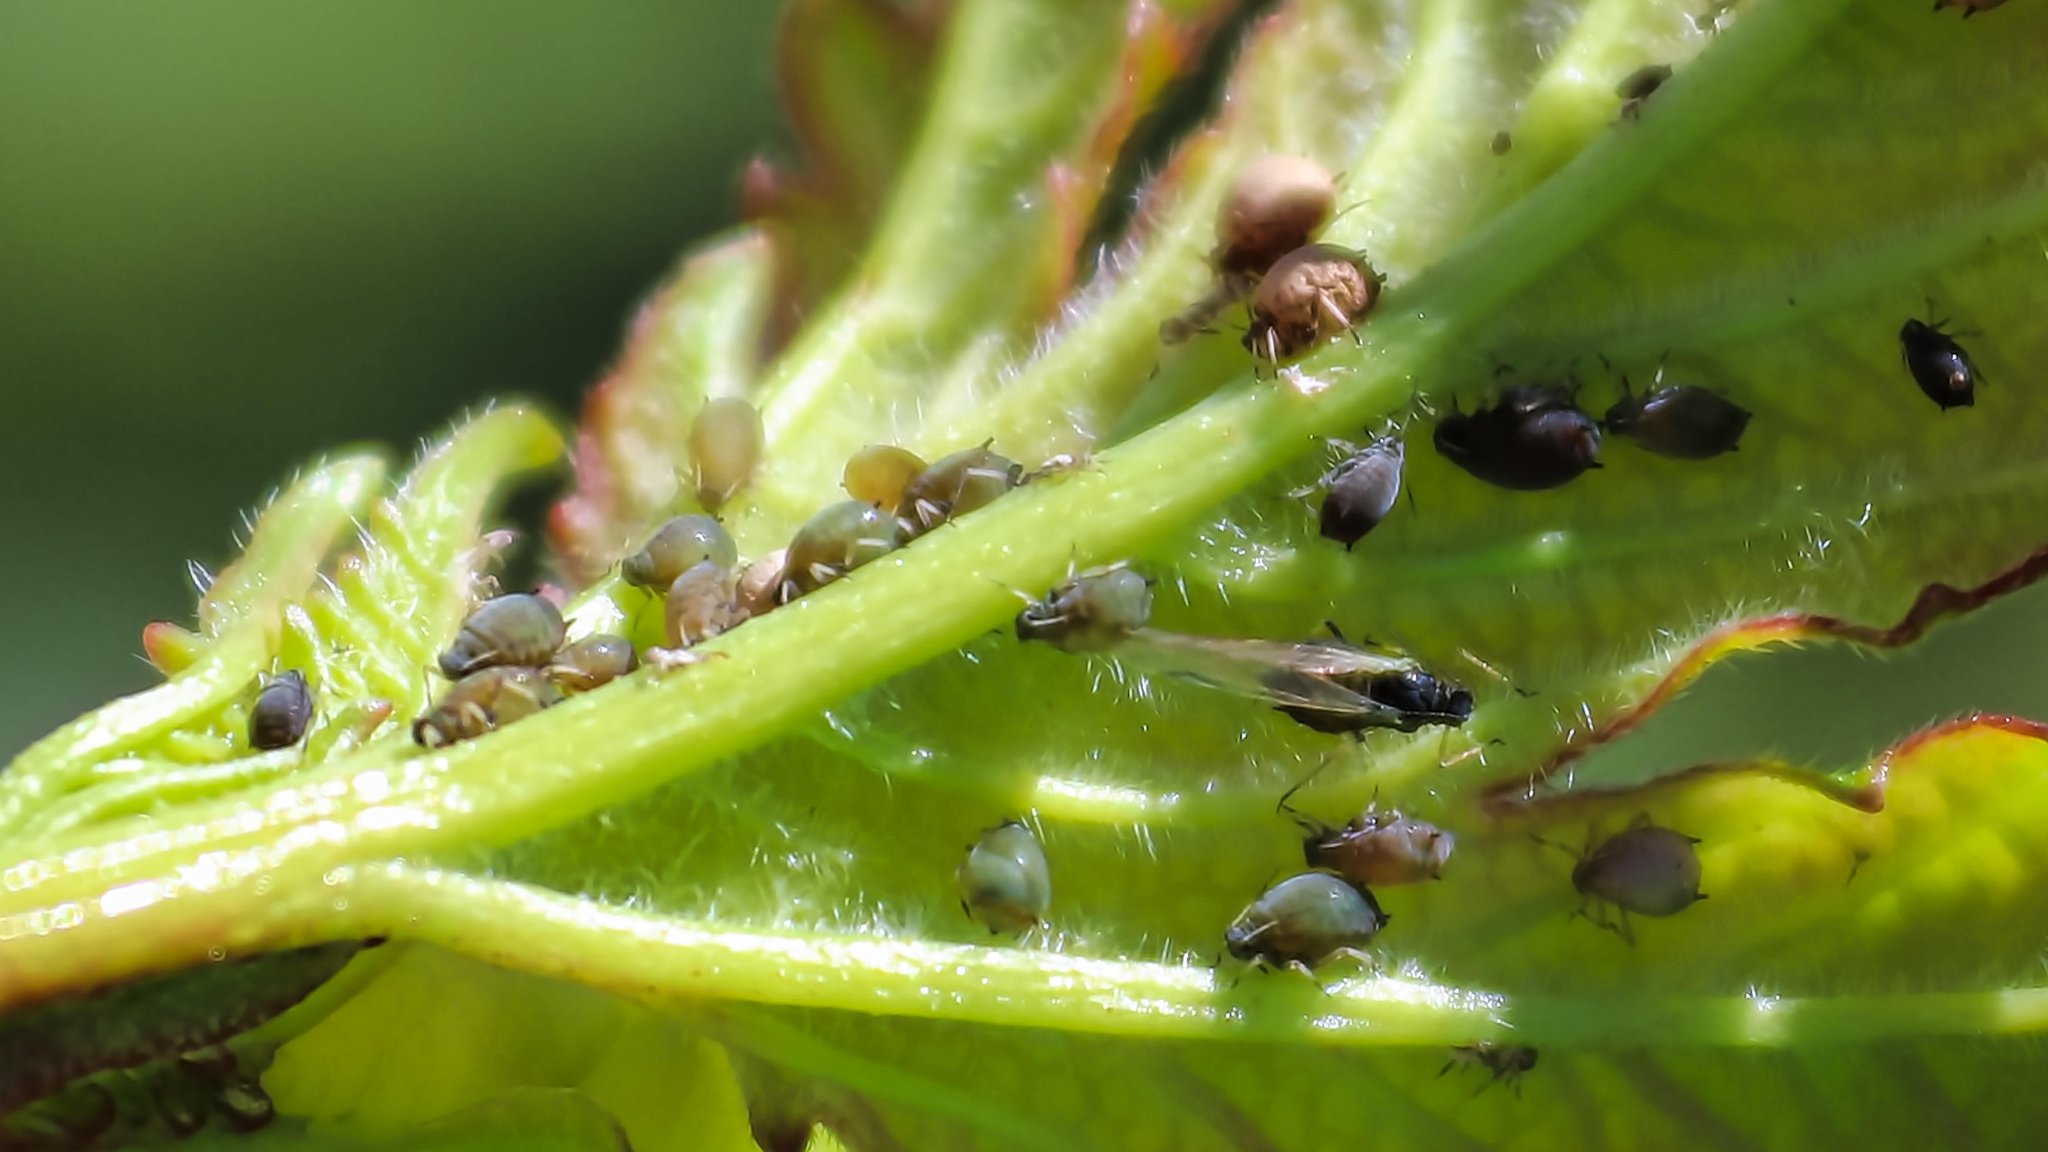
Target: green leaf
{"points": [[769, 837]]}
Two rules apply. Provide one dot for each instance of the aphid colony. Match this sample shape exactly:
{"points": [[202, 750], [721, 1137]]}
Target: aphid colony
{"points": [[511, 658], [1528, 437]]}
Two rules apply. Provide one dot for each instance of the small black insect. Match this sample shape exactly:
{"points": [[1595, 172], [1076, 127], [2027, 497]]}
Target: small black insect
{"points": [[1682, 421], [1359, 492], [1507, 1062], [1533, 437], [1939, 365], [281, 713], [1636, 88]]}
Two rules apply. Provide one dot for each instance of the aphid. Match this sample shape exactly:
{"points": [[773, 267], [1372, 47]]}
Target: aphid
{"points": [[1004, 882], [1091, 612], [954, 486], [282, 710], [1682, 421], [1970, 7], [1360, 491], [754, 594], [1646, 869], [1939, 365], [699, 605], [1275, 205], [1507, 1062], [519, 628], [1533, 437], [878, 474], [592, 662], [244, 1104], [1200, 316], [1637, 87], [1501, 142], [1310, 295], [1305, 920], [482, 701], [1328, 685], [725, 449], [836, 540], [1375, 848], [675, 546]]}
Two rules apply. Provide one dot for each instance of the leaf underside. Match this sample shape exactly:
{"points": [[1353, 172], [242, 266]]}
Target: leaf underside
{"points": [[742, 874]]}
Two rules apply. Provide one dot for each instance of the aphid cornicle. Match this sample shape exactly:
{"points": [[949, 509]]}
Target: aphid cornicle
{"points": [[1507, 1062], [482, 701], [282, 710], [879, 473], [592, 662], [518, 628], [1360, 491], [1939, 365], [1005, 883], [1682, 421], [834, 541], [1091, 612], [1311, 294], [1275, 206], [725, 449], [1305, 920], [955, 485], [1534, 436], [1646, 869], [1375, 848], [1638, 86], [676, 546]]}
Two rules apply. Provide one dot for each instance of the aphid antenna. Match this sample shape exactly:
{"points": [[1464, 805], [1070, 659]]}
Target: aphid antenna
{"points": [[1307, 822]]}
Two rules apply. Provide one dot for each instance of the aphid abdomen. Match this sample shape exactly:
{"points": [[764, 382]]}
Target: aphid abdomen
{"points": [[282, 711], [516, 629], [726, 439], [1005, 882]]}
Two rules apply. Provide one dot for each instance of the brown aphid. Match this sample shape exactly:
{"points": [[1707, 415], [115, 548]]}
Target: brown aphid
{"points": [[1375, 848], [725, 448], [836, 540], [483, 701], [1507, 1062], [699, 606], [1681, 421], [954, 486], [1970, 7], [282, 711], [680, 543], [592, 662], [1637, 87], [1304, 921], [1646, 869], [519, 628], [754, 594], [1534, 436], [878, 474], [1275, 206], [1312, 294]]}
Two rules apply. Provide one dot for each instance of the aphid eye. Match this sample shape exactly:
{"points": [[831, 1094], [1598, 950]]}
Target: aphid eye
{"points": [[1276, 205], [282, 711], [1311, 294], [833, 542], [725, 449], [879, 473], [1005, 882], [519, 628], [676, 546]]}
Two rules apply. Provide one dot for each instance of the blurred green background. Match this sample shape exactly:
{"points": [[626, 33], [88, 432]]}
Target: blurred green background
{"points": [[234, 235]]}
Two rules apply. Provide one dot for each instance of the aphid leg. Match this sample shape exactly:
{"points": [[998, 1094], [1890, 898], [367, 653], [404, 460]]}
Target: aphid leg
{"points": [[1366, 960], [1308, 824]]}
